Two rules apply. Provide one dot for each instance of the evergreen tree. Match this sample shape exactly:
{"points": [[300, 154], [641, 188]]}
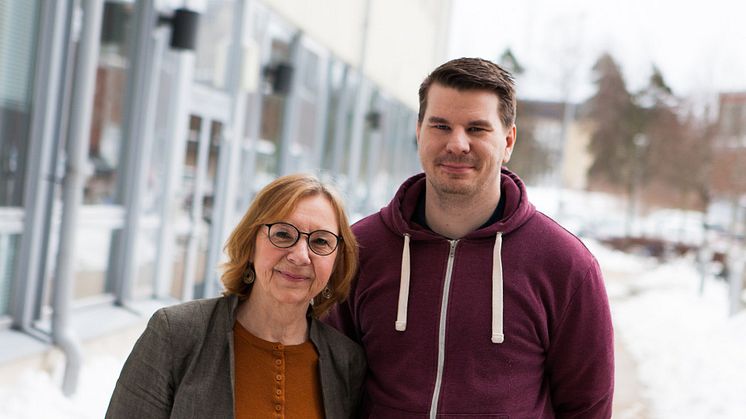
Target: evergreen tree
{"points": [[530, 159], [509, 62], [616, 119]]}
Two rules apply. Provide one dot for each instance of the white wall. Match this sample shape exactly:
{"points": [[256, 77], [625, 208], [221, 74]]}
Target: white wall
{"points": [[406, 39]]}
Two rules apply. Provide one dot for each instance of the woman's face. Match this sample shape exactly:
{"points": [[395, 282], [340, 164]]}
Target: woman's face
{"points": [[294, 275]]}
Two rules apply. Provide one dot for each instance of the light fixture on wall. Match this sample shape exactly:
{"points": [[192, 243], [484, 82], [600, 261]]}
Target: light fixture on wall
{"points": [[373, 118], [184, 25], [280, 77]]}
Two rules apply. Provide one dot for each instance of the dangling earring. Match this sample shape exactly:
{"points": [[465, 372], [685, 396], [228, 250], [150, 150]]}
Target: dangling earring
{"points": [[249, 275], [326, 293]]}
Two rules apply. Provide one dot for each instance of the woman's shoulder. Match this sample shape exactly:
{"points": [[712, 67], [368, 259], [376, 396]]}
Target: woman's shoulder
{"points": [[189, 315], [322, 333], [193, 306]]}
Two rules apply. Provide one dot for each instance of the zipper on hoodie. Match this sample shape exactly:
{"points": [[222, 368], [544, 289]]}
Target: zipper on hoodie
{"points": [[442, 330]]}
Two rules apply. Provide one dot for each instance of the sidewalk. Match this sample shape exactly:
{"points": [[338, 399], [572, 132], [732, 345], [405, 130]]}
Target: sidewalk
{"points": [[629, 402]]}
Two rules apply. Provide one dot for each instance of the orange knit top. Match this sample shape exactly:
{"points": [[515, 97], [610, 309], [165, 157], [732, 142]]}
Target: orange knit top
{"points": [[275, 380]]}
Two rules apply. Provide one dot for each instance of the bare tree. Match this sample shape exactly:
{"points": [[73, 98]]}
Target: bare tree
{"points": [[678, 151]]}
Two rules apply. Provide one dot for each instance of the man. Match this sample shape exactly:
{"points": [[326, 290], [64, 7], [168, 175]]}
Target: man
{"points": [[469, 302]]}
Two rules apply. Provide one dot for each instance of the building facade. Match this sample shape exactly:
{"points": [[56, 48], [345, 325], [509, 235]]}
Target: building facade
{"points": [[134, 134], [728, 167]]}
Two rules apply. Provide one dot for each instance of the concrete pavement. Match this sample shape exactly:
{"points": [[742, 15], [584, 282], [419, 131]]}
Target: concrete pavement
{"points": [[629, 400]]}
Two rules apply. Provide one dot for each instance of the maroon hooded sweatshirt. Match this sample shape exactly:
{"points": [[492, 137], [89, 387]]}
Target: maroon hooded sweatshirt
{"points": [[510, 321]]}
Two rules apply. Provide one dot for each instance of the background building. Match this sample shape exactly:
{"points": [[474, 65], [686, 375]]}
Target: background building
{"points": [[728, 173]]}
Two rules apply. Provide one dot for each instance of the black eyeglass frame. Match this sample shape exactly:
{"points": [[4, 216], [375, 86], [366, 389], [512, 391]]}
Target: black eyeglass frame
{"points": [[300, 233]]}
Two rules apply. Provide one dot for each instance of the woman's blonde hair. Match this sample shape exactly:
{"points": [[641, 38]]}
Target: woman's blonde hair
{"points": [[275, 202]]}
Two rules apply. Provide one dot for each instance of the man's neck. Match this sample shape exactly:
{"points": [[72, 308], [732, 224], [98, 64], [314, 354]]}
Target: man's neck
{"points": [[455, 216]]}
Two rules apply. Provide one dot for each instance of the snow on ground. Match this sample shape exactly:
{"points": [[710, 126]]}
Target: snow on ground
{"points": [[691, 357], [36, 394]]}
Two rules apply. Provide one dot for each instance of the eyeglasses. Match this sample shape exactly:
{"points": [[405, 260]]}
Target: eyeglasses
{"points": [[284, 235]]}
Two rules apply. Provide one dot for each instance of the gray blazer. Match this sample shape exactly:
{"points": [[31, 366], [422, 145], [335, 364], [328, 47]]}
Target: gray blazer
{"points": [[182, 366]]}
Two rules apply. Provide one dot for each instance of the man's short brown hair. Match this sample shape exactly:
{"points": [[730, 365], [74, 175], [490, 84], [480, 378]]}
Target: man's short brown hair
{"points": [[474, 74]]}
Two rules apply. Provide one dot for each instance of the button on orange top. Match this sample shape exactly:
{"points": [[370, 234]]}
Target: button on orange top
{"points": [[275, 380]]}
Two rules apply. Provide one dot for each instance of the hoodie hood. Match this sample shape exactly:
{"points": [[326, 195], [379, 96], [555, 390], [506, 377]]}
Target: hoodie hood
{"points": [[398, 214]]}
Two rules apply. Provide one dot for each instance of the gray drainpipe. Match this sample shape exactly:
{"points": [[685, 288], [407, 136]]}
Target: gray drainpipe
{"points": [[362, 97], [76, 171]]}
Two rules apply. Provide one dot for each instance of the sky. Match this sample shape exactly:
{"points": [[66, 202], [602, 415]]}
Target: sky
{"points": [[700, 47]]}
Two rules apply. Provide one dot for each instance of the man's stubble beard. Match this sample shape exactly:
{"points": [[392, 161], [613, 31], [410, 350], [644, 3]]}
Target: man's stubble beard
{"points": [[454, 195]]}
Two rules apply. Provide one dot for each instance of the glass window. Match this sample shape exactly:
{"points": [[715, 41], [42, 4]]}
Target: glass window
{"points": [[370, 128], [108, 106], [213, 154], [356, 87], [273, 107], [303, 145], [92, 260], [213, 42], [182, 263], [192, 234], [157, 171], [370, 139], [8, 251], [338, 101], [18, 30], [179, 267], [336, 157], [383, 123], [145, 270], [405, 159], [192, 166]]}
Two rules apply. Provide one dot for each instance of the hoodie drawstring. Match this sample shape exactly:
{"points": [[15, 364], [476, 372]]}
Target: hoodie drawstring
{"points": [[401, 312], [497, 291]]}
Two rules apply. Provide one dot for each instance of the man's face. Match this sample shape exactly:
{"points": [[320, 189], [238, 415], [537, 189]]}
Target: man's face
{"points": [[462, 143]]}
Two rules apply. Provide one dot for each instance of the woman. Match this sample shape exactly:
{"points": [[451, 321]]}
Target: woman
{"points": [[258, 351]]}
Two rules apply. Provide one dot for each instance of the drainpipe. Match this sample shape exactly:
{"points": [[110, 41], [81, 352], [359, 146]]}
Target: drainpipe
{"points": [[77, 169], [362, 97]]}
